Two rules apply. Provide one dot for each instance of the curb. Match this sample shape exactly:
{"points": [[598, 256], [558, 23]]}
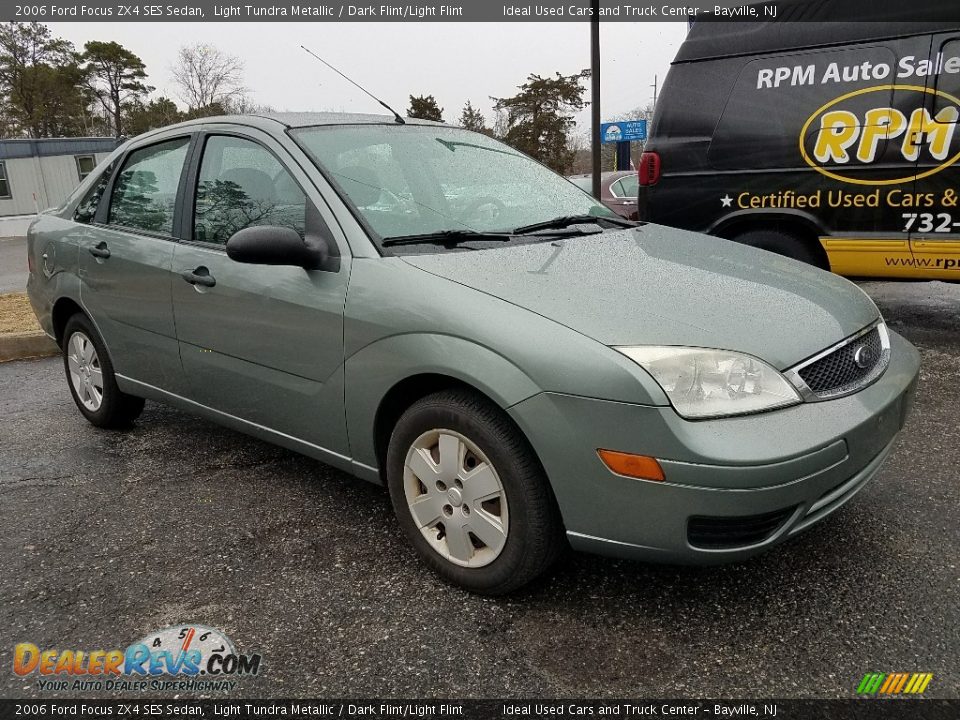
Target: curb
{"points": [[20, 346]]}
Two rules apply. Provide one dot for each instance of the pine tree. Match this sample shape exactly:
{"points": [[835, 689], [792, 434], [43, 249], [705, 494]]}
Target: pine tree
{"points": [[539, 119], [472, 119], [425, 107]]}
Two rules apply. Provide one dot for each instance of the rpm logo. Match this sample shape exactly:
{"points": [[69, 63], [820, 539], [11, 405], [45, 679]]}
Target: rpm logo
{"points": [[850, 133]]}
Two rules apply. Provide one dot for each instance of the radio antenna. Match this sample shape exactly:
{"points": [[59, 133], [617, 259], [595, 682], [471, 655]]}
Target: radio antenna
{"points": [[396, 116]]}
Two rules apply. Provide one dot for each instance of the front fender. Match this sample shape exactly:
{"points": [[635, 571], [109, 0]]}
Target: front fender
{"points": [[375, 369]]}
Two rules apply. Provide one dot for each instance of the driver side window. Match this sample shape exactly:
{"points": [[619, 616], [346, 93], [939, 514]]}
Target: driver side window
{"points": [[240, 185]]}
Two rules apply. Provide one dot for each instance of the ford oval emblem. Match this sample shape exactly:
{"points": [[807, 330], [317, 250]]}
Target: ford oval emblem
{"points": [[864, 357]]}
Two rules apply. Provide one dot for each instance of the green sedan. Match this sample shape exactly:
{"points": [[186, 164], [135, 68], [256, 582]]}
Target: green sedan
{"points": [[427, 308]]}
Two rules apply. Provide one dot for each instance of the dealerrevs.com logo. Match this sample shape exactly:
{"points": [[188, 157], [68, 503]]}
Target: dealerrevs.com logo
{"points": [[187, 657]]}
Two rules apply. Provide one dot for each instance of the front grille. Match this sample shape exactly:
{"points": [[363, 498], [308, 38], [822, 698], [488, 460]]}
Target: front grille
{"points": [[723, 533], [848, 368]]}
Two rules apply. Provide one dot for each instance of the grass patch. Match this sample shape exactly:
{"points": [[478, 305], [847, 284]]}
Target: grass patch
{"points": [[16, 315]]}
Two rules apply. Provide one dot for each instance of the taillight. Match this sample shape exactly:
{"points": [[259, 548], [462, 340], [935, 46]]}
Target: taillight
{"points": [[649, 168]]}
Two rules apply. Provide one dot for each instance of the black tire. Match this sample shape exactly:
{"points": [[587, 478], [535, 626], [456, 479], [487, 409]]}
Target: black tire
{"points": [[782, 243], [534, 536], [117, 409]]}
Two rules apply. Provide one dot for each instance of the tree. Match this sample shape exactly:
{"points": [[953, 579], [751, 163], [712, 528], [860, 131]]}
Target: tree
{"points": [[539, 120], [8, 127], [40, 81], [206, 76], [155, 114], [240, 105], [425, 107], [243, 104], [472, 119], [62, 101], [115, 77]]}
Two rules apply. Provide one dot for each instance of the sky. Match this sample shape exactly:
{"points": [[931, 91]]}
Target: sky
{"points": [[453, 62]]}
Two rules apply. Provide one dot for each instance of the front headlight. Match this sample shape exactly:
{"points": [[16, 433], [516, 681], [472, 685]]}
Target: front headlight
{"points": [[703, 383]]}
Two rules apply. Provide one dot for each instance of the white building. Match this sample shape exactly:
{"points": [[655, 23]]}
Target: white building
{"points": [[36, 174]]}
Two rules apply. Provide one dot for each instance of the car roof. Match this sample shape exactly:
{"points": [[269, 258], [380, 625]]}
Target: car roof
{"points": [[286, 120]]}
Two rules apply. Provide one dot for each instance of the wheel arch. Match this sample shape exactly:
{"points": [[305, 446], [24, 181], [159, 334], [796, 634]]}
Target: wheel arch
{"points": [[386, 377], [402, 396], [803, 226], [63, 309]]}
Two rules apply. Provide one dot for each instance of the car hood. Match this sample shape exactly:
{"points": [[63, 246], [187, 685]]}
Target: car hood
{"points": [[654, 285]]}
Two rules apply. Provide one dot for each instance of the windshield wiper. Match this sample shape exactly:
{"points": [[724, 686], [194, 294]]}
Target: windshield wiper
{"points": [[564, 221], [445, 237]]}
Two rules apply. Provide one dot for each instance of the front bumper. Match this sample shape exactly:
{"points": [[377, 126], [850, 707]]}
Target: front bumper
{"points": [[792, 467]]}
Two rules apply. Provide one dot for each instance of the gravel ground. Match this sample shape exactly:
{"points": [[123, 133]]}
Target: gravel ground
{"points": [[16, 315], [106, 536]]}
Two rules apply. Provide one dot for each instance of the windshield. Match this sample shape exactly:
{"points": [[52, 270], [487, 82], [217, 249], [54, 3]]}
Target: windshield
{"points": [[418, 180]]}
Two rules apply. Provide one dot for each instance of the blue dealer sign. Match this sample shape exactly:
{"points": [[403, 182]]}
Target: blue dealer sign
{"points": [[623, 131]]}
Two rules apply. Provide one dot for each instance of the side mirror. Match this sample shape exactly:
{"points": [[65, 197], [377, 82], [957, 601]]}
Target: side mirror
{"points": [[274, 245]]}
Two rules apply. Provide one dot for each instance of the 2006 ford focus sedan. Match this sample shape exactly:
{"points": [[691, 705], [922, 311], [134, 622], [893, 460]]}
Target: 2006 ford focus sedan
{"points": [[426, 307]]}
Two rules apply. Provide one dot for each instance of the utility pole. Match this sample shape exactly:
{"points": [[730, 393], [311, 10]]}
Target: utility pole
{"points": [[654, 86], [595, 94]]}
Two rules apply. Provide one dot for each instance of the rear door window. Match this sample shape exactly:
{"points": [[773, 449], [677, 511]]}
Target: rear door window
{"points": [[145, 191], [87, 208], [630, 186]]}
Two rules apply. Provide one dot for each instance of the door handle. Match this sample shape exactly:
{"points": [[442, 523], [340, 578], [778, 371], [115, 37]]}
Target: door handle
{"points": [[200, 276], [100, 250]]}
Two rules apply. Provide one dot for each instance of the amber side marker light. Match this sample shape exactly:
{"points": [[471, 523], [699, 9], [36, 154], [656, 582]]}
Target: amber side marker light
{"points": [[642, 467]]}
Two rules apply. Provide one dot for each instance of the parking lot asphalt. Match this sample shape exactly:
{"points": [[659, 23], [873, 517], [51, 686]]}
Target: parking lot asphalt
{"points": [[106, 536], [13, 264]]}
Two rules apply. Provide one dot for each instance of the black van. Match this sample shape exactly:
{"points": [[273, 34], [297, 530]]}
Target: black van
{"points": [[835, 143]]}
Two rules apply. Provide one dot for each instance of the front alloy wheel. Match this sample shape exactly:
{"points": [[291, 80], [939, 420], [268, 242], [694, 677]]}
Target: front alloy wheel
{"points": [[470, 494]]}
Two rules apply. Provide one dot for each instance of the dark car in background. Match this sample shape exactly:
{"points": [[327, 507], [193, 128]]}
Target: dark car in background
{"points": [[618, 190]]}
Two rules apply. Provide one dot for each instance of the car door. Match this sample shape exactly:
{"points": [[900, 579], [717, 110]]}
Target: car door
{"points": [[935, 224], [624, 196], [126, 251], [263, 344]]}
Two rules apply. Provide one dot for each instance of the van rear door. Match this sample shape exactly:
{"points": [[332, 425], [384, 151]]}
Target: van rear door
{"points": [[935, 229], [817, 135], [856, 141]]}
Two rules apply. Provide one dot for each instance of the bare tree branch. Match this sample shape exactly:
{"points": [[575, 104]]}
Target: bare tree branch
{"points": [[206, 75]]}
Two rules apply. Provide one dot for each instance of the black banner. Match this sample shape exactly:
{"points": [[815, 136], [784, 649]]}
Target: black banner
{"points": [[855, 709], [475, 11]]}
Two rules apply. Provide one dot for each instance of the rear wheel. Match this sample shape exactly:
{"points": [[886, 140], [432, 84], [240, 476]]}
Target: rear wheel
{"points": [[90, 376], [470, 494], [782, 243]]}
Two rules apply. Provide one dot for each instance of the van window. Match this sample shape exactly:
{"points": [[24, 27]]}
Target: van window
{"points": [[775, 95], [948, 81]]}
